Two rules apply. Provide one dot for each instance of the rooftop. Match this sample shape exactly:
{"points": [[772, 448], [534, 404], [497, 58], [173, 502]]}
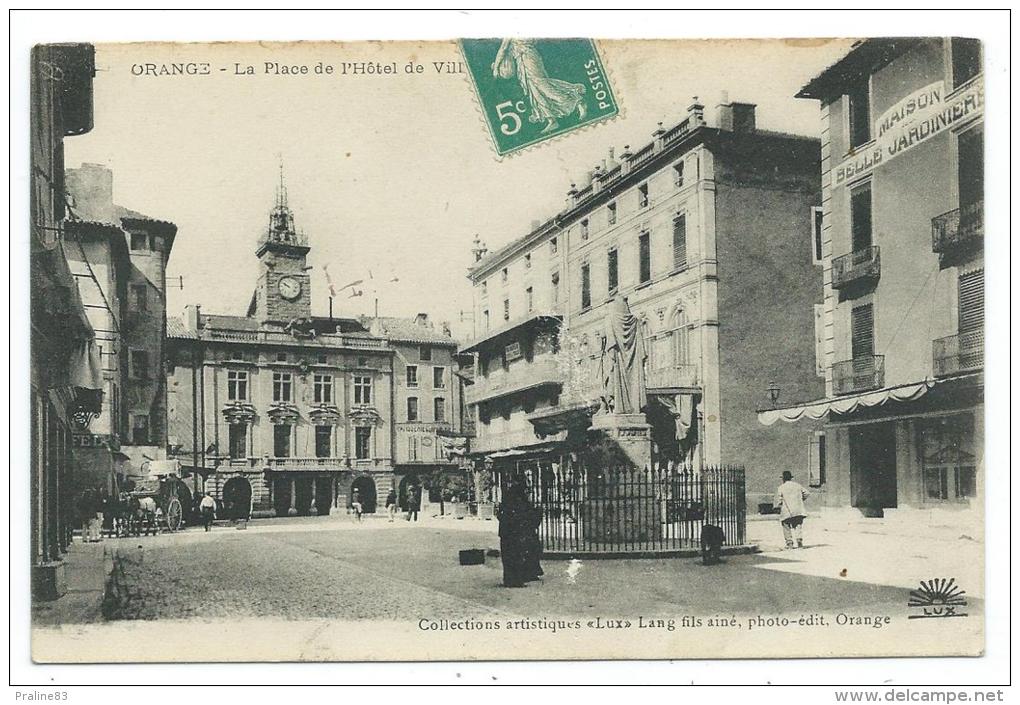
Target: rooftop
{"points": [[864, 58]]}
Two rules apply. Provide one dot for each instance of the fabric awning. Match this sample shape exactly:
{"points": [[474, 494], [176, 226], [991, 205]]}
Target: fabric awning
{"points": [[847, 404]]}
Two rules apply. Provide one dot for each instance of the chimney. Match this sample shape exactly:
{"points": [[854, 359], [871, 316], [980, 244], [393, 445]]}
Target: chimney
{"points": [[479, 250], [193, 317], [735, 117], [422, 319]]}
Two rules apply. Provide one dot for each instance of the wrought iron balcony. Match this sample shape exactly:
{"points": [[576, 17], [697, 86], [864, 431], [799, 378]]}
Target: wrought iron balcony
{"points": [[964, 352], [859, 265], [861, 374], [958, 228], [672, 377]]}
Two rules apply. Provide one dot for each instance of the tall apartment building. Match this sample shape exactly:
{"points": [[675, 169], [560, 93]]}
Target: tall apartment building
{"points": [[119, 262], [902, 242], [65, 384], [706, 231], [287, 413]]}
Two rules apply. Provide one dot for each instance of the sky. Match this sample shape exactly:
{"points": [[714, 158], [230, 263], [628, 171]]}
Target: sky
{"points": [[389, 173]]}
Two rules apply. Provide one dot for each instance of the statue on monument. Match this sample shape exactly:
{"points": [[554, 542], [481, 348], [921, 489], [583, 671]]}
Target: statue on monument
{"points": [[622, 366]]}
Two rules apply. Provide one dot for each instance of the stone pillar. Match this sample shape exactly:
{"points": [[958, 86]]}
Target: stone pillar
{"points": [[315, 489], [622, 453], [292, 510]]}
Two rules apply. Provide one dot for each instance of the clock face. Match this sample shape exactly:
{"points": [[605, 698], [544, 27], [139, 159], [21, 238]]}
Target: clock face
{"points": [[290, 288]]}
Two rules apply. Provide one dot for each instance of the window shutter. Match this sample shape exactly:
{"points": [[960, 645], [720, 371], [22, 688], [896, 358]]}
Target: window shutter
{"points": [[972, 301], [862, 332], [680, 241]]}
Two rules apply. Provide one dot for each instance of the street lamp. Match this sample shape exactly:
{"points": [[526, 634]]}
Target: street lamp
{"points": [[773, 391]]}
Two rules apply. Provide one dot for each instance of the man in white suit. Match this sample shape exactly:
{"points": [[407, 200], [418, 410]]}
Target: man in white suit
{"points": [[790, 502]]}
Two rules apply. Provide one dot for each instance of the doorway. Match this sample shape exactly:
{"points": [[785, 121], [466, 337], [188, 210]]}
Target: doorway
{"points": [[281, 496], [873, 468], [323, 495], [237, 498], [365, 486]]}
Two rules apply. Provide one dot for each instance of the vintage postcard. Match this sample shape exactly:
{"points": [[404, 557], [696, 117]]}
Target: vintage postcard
{"points": [[507, 348]]}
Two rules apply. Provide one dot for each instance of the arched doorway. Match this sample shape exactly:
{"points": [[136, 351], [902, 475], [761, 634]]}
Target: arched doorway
{"points": [[237, 498], [407, 484], [365, 486]]}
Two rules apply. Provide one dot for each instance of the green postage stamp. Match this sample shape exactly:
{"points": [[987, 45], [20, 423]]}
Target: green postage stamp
{"points": [[531, 90]]}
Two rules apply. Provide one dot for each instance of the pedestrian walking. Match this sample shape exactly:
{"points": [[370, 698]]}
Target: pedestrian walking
{"points": [[356, 503], [413, 502], [208, 508], [516, 518], [391, 504], [790, 502]]}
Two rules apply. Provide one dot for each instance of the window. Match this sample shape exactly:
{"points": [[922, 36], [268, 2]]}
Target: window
{"points": [[139, 241], [642, 196], [527, 261], [948, 458], [323, 389], [504, 275], [281, 357], [645, 257], [282, 386], [485, 319], [859, 113], [412, 408], [439, 378], [322, 359], [860, 217], [139, 364], [966, 59], [553, 247], [424, 352], [362, 390], [485, 288], [140, 430], [139, 297], [680, 241], [238, 441], [506, 309], [440, 409], [362, 442], [584, 229], [816, 235], [529, 296], [237, 385], [971, 318], [585, 286], [678, 174], [323, 441], [281, 440], [412, 447], [412, 375], [556, 287], [155, 243], [611, 214], [680, 344], [970, 172], [862, 332], [613, 270]]}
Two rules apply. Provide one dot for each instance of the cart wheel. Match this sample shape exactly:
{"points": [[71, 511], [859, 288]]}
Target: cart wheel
{"points": [[174, 514]]}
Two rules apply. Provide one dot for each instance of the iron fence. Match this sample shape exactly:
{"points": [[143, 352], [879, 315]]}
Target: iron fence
{"points": [[624, 510]]}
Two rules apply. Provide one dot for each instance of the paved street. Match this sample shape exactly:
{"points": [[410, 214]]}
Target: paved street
{"points": [[325, 568]]}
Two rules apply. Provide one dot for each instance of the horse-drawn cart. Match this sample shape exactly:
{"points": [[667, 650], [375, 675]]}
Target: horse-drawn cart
{"points": [[155, 503]]}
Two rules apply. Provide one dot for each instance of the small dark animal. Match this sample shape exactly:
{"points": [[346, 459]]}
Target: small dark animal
{"points": [[712, 539]]}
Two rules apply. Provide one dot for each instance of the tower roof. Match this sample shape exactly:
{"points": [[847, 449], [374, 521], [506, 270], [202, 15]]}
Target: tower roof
{"points": [[282, 231]]}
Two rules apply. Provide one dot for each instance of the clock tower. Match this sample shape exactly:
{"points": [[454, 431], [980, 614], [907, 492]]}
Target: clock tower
{"points": [[283, 292]]}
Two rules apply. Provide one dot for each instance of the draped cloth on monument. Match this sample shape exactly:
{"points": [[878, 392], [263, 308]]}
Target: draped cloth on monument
{"points": [[622, 367]]}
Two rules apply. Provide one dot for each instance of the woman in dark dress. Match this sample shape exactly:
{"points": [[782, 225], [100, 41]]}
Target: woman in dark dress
{"points": [[515, 519]]}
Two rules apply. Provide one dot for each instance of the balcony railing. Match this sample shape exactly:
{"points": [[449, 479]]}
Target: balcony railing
{"points": [[520, 376], [859, 265], [964, 352], [861, 374], [958, 228], [674, 376], [307, 462]]}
